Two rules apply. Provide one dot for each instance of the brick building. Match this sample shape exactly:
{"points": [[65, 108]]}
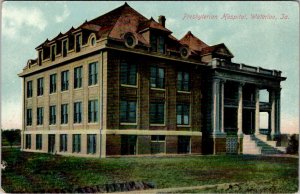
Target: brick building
{"points": [[121, 84]]}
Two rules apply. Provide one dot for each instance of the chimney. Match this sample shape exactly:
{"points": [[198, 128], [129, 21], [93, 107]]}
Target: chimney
{"points": [[162, 20]]}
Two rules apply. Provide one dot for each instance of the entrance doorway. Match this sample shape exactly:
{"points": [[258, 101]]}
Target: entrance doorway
{"points": [[248, 121], [230, 120]]}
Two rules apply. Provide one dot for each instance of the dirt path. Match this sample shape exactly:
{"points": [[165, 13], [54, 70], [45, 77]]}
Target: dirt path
{"points": [[170, 190]]}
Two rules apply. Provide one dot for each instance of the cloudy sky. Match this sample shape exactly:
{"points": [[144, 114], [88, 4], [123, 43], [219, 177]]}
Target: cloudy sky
{"points": [[268, 43]]}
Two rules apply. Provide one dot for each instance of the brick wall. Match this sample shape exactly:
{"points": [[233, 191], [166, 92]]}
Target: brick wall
{"points": [[171, 144], [113, 145], [144, 144], [196, 144]]}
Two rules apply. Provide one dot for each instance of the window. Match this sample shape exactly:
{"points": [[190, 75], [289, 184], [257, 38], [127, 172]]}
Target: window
{"points": [[63, 143], [128, 111], [93, 41], [40, 86], [161, 44], [29, 117], [183, 81], [64, 80], [158, 144], [38, 141], [157, 77], [93, 73], [40, 57], [157, 43], [128, 74], [76, 143], [78, 77], [183, 114], [91, 144], [157, 113], [64, 114], [52, 115], [153, 41], [28, 141], [158, 138], [53, 52], [29, 89], [77, 112], [40, 115], [184, 144], [64, 48], [51, 143], [93, 111], [128, 144], [52, 83], [78, 42]]}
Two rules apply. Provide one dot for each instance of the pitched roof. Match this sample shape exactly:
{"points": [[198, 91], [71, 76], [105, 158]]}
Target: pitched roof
{"points": [[218, 48], [152, 24], [118, 21], [193, 42]]}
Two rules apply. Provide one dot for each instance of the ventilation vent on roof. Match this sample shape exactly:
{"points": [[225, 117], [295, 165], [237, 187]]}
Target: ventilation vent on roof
{"points": [[184, 52], [130, 40]]}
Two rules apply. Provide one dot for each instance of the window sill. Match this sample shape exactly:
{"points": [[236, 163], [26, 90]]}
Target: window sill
{"points": [[93, 123], [184, 92], [39, 96], [158, 89], [52, 93], [48, 59], [183, 125], [128, 123], [76, 89], [52, 125], [157, 125], [94, 85], [64, 91], [70, 51], [64, 125], [129, 86]]}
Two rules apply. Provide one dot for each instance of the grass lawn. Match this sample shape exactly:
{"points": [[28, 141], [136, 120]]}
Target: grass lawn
{"points": [[34, 172]]}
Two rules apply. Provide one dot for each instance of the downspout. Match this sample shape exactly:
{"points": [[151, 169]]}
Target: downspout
{"points": [[23, 117], [101, 105]]}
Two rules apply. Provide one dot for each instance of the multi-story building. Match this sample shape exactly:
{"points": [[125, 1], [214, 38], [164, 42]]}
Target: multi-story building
{"points": [[121, 84]]}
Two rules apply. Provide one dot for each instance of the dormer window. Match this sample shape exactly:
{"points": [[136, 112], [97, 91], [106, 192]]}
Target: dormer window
{"points": [[53, 52], [46, 53], [78, 40], [40, 54], [64, 47], [157, 43], [153, 40]]}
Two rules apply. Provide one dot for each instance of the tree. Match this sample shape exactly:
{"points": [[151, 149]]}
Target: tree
{"points": [[12, 136]]}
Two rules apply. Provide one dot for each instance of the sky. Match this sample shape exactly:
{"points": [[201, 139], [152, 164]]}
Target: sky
{"points": [[268, 43]]}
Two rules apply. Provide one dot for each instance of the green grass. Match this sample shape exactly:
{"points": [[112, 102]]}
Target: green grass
{"points": [[34, 172]]}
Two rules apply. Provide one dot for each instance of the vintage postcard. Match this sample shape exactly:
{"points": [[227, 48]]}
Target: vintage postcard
{"points": [[149, 97]]}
